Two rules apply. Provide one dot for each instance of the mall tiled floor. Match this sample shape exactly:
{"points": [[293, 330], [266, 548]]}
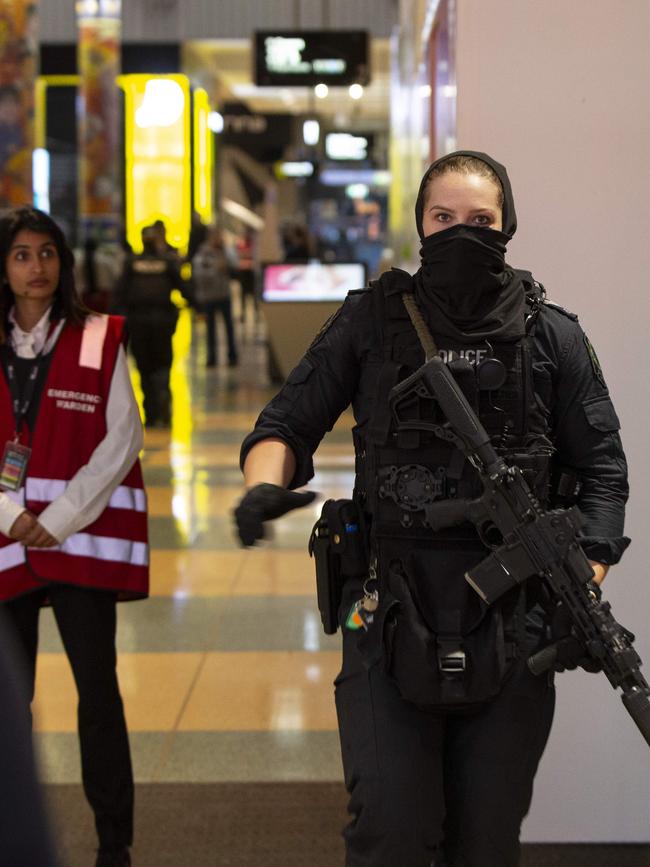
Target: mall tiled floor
{"points": [[225, 672]]}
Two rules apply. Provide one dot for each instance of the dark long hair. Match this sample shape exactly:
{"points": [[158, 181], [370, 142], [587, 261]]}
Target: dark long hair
{"points": [[66, 300]]}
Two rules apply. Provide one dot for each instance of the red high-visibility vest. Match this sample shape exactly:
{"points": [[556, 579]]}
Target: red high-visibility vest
{"points": [[112, 552]]}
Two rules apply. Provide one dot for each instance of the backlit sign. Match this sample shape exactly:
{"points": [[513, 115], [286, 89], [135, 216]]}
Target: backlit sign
{"points": [[309, 57], [344, 146]]}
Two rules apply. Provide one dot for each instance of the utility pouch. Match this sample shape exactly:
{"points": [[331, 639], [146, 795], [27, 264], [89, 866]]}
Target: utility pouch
{"points": [[456, 655], [338, 547], [565, 487]]}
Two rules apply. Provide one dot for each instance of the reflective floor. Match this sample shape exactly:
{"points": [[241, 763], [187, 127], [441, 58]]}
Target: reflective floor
{"points": [[225, 672]]}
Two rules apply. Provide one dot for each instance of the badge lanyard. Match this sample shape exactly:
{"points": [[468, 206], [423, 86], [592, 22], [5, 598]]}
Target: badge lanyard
{"points": [[16, 455]]}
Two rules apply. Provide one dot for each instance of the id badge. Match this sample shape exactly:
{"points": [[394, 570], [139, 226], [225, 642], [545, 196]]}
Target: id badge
{"points": [[14, 466]]}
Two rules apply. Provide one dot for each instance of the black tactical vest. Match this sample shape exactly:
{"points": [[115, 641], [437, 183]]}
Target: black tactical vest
{"points": [[438, 640], [149, 285]]}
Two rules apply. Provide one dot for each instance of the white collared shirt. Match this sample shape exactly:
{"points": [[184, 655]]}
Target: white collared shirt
{"points": [[89, 490], [28, 344]]}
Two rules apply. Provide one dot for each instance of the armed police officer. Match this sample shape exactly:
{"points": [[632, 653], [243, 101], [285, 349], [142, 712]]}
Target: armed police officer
{"points": [[442, 725]]}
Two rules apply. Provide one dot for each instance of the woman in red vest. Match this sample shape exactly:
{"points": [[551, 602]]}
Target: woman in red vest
{"points": [[73, 520]]}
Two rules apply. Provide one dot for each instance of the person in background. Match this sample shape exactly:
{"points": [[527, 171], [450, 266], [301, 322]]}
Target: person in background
{"points": [[442, 724], [246, 273], [73, 519], [297, 243], [143, 295], [160, 238], [97, 269], [298, 247], [198, 234], [211, 270]]}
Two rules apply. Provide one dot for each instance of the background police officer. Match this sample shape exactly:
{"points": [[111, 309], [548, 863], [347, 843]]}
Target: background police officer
{"points": [[143, 296]]}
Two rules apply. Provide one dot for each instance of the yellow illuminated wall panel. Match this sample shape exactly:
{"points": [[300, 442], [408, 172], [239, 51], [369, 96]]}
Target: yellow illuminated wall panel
{"points": [[157, 155], [40, 110], [203, 161]]}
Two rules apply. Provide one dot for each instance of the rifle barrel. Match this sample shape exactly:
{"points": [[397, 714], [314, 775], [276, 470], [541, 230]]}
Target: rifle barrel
{"points": [[637, 704]]}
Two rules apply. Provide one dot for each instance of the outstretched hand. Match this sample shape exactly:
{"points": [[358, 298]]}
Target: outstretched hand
{"points": [[262, 503]]}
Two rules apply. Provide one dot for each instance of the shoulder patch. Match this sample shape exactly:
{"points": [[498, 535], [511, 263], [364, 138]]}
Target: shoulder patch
{"points": [[595, 364], [397, 280], [326, 327], [561, 309]]}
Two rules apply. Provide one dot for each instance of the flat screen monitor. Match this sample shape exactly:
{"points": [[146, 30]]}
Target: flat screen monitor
{"points": [[304, 58], [311, 281]]}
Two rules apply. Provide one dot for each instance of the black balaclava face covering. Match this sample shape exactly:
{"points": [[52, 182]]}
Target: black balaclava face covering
{"points": [[466, 289]]}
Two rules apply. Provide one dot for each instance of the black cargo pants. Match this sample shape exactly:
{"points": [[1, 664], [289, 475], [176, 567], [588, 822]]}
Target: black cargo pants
{"points": [[150, 341], [87, 624], [432, 788]]}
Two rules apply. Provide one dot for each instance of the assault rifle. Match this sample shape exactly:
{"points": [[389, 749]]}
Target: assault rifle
{"points": [[525, 539]]}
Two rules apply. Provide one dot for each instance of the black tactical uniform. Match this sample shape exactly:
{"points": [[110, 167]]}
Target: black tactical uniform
{"points": [[144, 298], [441, 724]]}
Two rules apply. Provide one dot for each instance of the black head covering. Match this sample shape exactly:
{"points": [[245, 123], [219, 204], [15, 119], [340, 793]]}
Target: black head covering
{"points": [[464, 286], [509, 217]]}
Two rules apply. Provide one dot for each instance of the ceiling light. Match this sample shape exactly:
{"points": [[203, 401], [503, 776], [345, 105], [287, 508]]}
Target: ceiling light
{"points": [[355, 91], [321, 90], [357, 191], [162, 105], [215, 121], [311, 132], [303, 169]]}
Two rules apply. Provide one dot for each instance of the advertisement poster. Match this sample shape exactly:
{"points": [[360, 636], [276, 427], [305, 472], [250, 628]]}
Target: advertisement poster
{"points": [[18, 70], [99, 124]]}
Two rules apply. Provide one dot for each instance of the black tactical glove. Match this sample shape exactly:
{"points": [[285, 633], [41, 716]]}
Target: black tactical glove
{"points": [[571, 652], [264, 503]]}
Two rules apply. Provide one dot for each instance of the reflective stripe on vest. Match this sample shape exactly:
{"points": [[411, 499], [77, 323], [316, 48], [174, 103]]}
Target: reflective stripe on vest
{"points": [[92, 342], [106, 548], [84, 545], [12, 555], [123, 497]]}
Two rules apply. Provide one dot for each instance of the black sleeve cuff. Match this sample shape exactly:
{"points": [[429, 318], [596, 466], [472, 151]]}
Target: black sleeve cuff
{"points": [[601, 550], [304, 463]]}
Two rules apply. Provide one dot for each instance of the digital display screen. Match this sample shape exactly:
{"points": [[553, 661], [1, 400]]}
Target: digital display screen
{"points": [[305, 58], [311, 281], [344, 146]]}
